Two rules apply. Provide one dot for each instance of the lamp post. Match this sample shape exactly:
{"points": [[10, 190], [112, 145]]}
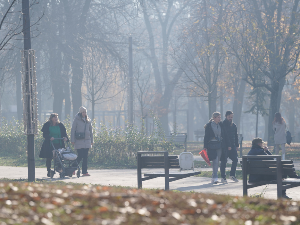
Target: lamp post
{"points": [[29, 91]]}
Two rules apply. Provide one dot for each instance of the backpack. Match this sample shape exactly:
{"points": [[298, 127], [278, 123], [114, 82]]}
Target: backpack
{"points": [[289, 137]]}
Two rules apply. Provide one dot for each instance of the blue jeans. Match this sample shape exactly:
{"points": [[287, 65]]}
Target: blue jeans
{"points": [[232, 154], [215, 163]]}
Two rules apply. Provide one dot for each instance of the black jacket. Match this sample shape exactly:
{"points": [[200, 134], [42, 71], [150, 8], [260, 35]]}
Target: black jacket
{"points": [[257, 150], [46, 150], [230, 135], [209, 135]]}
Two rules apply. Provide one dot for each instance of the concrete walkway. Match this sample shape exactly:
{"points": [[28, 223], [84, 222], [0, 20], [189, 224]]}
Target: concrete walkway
{"points": [[128, 177]]}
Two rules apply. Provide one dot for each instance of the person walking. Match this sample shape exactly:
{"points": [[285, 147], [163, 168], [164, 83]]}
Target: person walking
{"points": [[213, 142], [230, 146], [52, 129], [279, 127], [82, 137]]}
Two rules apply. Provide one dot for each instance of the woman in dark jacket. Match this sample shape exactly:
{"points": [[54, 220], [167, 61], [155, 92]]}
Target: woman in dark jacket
{"points": [[52, 129], [213, 133], [258, 149]]}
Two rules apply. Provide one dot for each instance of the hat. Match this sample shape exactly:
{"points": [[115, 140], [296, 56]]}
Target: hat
{"points": [[257, 141], [82, 109]]}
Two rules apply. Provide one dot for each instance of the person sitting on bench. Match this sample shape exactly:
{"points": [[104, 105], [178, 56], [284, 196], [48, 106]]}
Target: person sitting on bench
{"points": [[258, 149]]}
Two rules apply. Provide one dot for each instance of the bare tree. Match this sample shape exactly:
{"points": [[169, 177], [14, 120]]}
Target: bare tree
{"points": [[264, 36], [101, 75]]}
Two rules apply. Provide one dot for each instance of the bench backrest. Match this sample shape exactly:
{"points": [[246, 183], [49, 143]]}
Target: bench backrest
{"points": [[268, 167], [157, 161], [179, 138], [259, 165]]}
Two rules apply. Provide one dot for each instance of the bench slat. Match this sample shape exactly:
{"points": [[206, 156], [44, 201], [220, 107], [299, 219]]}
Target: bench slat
{"points": [[158, 158], [265, 171], [161, 166]]}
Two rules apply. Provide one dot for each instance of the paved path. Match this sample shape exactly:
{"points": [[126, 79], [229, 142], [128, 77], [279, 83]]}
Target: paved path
{"points": [[128, 177]]}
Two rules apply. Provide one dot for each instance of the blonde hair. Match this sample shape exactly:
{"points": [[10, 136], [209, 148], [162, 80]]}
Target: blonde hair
{"points": [[214, 115]]}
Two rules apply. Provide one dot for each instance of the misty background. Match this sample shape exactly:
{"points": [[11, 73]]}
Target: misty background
{"points": [[190, 59]]}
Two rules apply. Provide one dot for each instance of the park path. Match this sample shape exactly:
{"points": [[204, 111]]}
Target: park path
{"points": [[128, 178]]}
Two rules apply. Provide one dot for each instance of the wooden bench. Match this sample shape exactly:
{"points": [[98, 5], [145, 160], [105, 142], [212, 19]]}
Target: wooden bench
{"points": [[266, 165], [163, 160], [179, 138]]}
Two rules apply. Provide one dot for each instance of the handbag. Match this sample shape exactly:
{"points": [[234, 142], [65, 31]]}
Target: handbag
{"points": [[214, 145], [80, 135]]}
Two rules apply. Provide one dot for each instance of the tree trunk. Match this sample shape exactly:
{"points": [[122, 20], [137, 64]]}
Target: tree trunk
{"points": [[77, 65], [190, 131], [291, 117], [56, 81], [67, 88], [238, 103], [266, 119]]}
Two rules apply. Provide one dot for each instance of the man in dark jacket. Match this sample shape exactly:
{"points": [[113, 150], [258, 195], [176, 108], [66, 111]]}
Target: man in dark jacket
{"points": [[257, 149], [230, 147]]}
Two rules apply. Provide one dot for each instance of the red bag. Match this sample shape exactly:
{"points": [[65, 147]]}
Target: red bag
{"points": [[204, 155]]}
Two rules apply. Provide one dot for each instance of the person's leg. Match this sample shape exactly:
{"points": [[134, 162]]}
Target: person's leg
{"points": [[276, 149], [234, 157], [84, 160], [283, 151], [48, 163], [216, 163], [79, 155], [223, 163]]}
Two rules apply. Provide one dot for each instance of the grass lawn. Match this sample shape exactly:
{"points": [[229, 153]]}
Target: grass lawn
{"points": [[59, 203]]}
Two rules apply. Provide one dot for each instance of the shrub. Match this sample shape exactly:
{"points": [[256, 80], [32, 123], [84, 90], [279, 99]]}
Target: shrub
{"points": [[112, 147]]}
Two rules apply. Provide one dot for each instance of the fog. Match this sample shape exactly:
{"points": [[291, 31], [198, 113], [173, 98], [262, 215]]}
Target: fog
{"points": [[189, 59]]}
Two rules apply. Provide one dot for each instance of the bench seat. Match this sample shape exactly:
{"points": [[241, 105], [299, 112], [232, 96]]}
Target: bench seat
{"points": [[167, 162], [266, 165]]}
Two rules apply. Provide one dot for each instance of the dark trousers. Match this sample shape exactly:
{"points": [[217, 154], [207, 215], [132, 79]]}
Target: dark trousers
{"points": [[82, 155], [232, 154], [48, 163], [49, 160]]}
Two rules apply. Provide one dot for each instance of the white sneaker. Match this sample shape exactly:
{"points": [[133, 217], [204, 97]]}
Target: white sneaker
{"points": [[234, 179], [224, 181], [214, 180]]}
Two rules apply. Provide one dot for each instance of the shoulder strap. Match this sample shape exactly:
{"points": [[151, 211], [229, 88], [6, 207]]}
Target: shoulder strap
{"points": [[85, 127]]}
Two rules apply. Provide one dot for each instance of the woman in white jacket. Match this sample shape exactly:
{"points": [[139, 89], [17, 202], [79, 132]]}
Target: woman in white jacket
{"points": [[279, 127]]}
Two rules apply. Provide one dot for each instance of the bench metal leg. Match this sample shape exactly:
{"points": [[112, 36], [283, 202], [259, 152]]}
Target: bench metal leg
{"points": [[166, 171], [279, 178], [245, 188], [139, 171]]}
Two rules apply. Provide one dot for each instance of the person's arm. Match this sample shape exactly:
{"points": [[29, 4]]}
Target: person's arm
{"points": [[46, 132], [73, 131], [236, 138], [274, 128], [206, 136], [91, 133], [64, 132]]}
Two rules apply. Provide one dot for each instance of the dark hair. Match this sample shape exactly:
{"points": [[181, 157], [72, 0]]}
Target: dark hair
{"points": [[278, 118], [256, 141], [228, 113], [51, 116]]}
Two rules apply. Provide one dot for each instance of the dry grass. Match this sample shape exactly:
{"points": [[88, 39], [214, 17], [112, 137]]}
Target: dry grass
{"points": [[43, 203]]}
